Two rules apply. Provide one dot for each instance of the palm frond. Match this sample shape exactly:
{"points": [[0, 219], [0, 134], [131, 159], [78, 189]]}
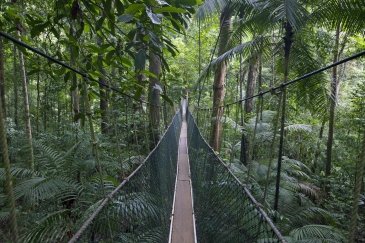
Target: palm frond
{"points": [[18, 172], [52, 228], [312, 92], [210, 7], [317, 233], [305, 128], [312, 215], [349, 14], [37, 189], [246, 49]]}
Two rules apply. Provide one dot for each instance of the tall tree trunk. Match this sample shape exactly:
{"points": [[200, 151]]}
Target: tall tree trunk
{"points": [[38, 102], [318, 147], [8, 177], [218, 86], [154, 98], [251, 84], [75, 94], [272, 147], [59, 115], [28, 127], [333, 101], [104, 106], [103, 92], [250, 89], [2, 76], [259, 107], [288, 41], [45, 107], [15, 86], [356, 196]]}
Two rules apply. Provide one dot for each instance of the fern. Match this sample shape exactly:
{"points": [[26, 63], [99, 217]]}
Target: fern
{"points": [[37, 189], [19, 173], [316, 233], [52, 228]]}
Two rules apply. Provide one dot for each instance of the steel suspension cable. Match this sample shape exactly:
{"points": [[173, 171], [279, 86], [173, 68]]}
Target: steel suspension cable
{"points": [[67, 66], [307, 75]]}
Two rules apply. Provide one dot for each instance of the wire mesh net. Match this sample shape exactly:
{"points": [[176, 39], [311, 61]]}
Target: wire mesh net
{"points": [[225, 210], [140, 211]]}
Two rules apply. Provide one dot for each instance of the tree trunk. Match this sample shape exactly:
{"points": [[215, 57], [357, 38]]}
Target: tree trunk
{"points": [[318, 149], [2, 76], [333, 101], [288, 41], [272, 148], [258, 112], [75, 94], [250, 89], [356, 196], [15, 87], [218, 86], [154, 98], [8, 177], [104, 105], [59, 116], [103, 92], [251, 84], [165, 111], [45, 107], [38, 103], [28, 127]]}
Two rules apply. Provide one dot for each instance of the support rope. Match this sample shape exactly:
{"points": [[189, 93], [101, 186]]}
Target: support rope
{"points": [[305, 76], [168, 141], [225, 209], [61, 63]]}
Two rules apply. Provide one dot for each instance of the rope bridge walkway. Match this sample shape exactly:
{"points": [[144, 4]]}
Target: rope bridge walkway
{"points": [[155, 203]]}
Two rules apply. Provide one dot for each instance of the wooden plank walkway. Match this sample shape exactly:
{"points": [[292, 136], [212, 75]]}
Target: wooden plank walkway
{"points": [[182, 220]]}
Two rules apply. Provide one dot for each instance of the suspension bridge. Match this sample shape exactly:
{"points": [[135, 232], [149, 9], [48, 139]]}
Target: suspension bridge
{"points": [[182, 191], [199, 198]]}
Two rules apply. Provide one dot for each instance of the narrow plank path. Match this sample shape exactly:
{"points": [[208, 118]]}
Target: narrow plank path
{"points": [[183, 222]]}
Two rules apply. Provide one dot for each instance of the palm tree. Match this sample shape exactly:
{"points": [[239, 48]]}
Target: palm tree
{"points": [[341, 16], [219, 79]]}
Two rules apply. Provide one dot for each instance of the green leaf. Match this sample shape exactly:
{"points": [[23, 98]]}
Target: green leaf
{"points": [[67, 76], [149, 74], [119, 6], [134, 8], [167, 99], [39, 28], [125, 18], [34, 71], [170, 9], [99, 23], [162, 2], [140, 59], [107, 6], [110, 56], [156, 19], [126, 62]]}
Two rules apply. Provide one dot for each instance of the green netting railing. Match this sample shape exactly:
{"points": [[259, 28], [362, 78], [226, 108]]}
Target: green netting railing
{"points": [[139, 209], [225, 210]]}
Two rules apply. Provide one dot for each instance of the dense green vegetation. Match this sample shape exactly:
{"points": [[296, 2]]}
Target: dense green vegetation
{"points": [[67, 139]]}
